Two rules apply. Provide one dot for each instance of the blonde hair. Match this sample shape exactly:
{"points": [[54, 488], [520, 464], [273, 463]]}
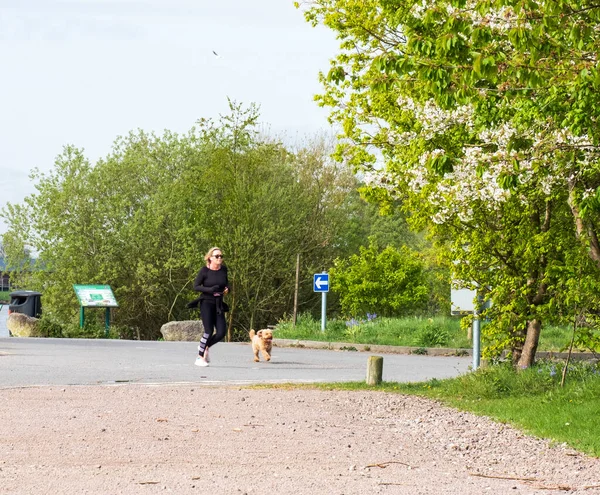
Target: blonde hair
{"points": [[210, 253]]}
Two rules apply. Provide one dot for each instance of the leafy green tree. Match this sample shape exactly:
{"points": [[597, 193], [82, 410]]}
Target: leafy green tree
{"points": [[484, 115], [388, 282], [264, 206], [142, 218], [16, 252]]}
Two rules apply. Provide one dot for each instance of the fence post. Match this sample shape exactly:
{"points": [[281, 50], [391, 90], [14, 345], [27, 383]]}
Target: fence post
{"points": [[374, 370]]}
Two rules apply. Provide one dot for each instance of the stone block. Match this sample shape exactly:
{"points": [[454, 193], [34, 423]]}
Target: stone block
{"points": [[21, 325], [186, 331]]}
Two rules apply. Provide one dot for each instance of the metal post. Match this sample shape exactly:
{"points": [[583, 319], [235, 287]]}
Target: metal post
{"points": [[323, 310], [476, 340], [81, 317], [106, 322]]}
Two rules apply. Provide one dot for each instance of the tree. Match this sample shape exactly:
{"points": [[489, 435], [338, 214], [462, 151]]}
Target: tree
{"points": [[484, 115], [265, 206], [15, 252], [142, 218], [388, 282]]}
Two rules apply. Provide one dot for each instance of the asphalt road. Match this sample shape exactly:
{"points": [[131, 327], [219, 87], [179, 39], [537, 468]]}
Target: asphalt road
{"points": [[34, 362]]}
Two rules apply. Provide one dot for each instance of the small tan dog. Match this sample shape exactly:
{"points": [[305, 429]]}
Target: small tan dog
{"points": [[262, 341]]}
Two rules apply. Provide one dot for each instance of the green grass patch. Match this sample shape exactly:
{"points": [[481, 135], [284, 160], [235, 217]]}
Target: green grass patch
{"points": [[531, 400], [4, 296], [410, 331], [555, 338]]}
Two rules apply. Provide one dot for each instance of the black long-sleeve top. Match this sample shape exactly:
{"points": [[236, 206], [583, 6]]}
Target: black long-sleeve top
{"points": [[211, 282]]}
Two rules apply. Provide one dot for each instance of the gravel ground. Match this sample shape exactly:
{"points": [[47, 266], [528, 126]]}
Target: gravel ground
{"points": [[183, 439]]}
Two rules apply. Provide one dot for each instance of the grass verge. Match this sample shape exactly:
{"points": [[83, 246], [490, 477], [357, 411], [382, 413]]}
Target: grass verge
{"points": [[410, 331]]}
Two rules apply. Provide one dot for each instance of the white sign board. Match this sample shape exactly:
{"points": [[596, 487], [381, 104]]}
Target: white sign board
{"points": [[462, 301]]}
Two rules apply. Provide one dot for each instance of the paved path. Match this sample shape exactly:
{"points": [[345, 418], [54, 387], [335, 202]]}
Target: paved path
{"points": [[30, 362]]}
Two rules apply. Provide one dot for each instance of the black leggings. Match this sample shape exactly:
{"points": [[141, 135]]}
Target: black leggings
{"points": [[210, 321]]}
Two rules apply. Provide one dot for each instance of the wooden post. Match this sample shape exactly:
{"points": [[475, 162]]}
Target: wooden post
{"points": [[230, 325], [374, 370], [296, 289]]}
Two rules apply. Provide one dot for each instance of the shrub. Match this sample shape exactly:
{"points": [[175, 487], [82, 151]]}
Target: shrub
{"points": [[353, 329], [49, 327], [91, 330], [433, 336], [389, 281]]}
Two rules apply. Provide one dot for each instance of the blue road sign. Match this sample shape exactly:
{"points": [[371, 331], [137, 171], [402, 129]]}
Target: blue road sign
{"points": [[321, 282]]}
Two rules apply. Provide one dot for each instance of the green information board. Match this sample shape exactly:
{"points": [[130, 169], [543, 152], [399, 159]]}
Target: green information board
{"points": [[97, 296]]}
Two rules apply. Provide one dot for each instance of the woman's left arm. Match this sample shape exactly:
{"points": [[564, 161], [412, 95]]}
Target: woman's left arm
{"points": [[226, 290]]}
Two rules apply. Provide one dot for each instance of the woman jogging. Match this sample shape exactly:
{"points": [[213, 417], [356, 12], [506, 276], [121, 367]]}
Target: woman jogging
{"points": [[212, 282]]}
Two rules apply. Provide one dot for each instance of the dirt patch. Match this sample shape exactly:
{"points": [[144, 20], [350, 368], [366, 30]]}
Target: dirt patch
{"points": [[193, 439]]}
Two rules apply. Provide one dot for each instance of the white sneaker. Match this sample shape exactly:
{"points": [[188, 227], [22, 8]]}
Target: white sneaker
{"points": [[200, 361], [206, 356]]}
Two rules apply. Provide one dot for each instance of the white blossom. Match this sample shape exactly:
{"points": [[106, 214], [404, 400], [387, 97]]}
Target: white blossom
{"points": [[475, 180], [433, 119]]}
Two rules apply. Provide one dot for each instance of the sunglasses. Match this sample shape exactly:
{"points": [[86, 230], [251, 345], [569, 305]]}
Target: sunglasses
{"points": [[218, 256]]}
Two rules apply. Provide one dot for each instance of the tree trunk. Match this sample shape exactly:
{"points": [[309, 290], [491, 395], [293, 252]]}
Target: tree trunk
{"points": [[584, 232], [532, 339], [517, 346]]}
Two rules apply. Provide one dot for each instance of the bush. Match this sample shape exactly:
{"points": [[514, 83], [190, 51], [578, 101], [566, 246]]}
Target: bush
{"points": [[389, 282], [90, 330], [49, 327], [433, 336]]}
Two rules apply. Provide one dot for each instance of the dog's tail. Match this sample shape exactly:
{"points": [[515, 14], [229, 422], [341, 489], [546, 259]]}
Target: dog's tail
{"points": [[252, 334]]}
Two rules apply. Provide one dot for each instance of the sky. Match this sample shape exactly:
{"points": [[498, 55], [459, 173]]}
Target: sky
{"points": [[83, 72]]}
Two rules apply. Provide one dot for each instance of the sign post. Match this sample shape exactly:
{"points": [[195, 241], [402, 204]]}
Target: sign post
{"points": [[463, 302], [95, 296], [321, 284], [476, 339]]}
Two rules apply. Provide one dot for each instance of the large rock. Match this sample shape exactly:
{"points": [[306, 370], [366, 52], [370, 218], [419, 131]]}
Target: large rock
{"points": [[21, 325], [188, 330]]}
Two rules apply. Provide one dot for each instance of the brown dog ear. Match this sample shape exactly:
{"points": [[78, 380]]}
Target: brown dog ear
{"points": [[259, 333]]}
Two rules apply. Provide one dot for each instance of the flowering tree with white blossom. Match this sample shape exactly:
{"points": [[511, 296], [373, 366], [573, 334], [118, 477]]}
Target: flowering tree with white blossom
{"points": [[482, 119]]}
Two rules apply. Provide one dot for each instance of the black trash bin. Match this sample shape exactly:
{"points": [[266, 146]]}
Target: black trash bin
{"points": [[27, 302]]}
